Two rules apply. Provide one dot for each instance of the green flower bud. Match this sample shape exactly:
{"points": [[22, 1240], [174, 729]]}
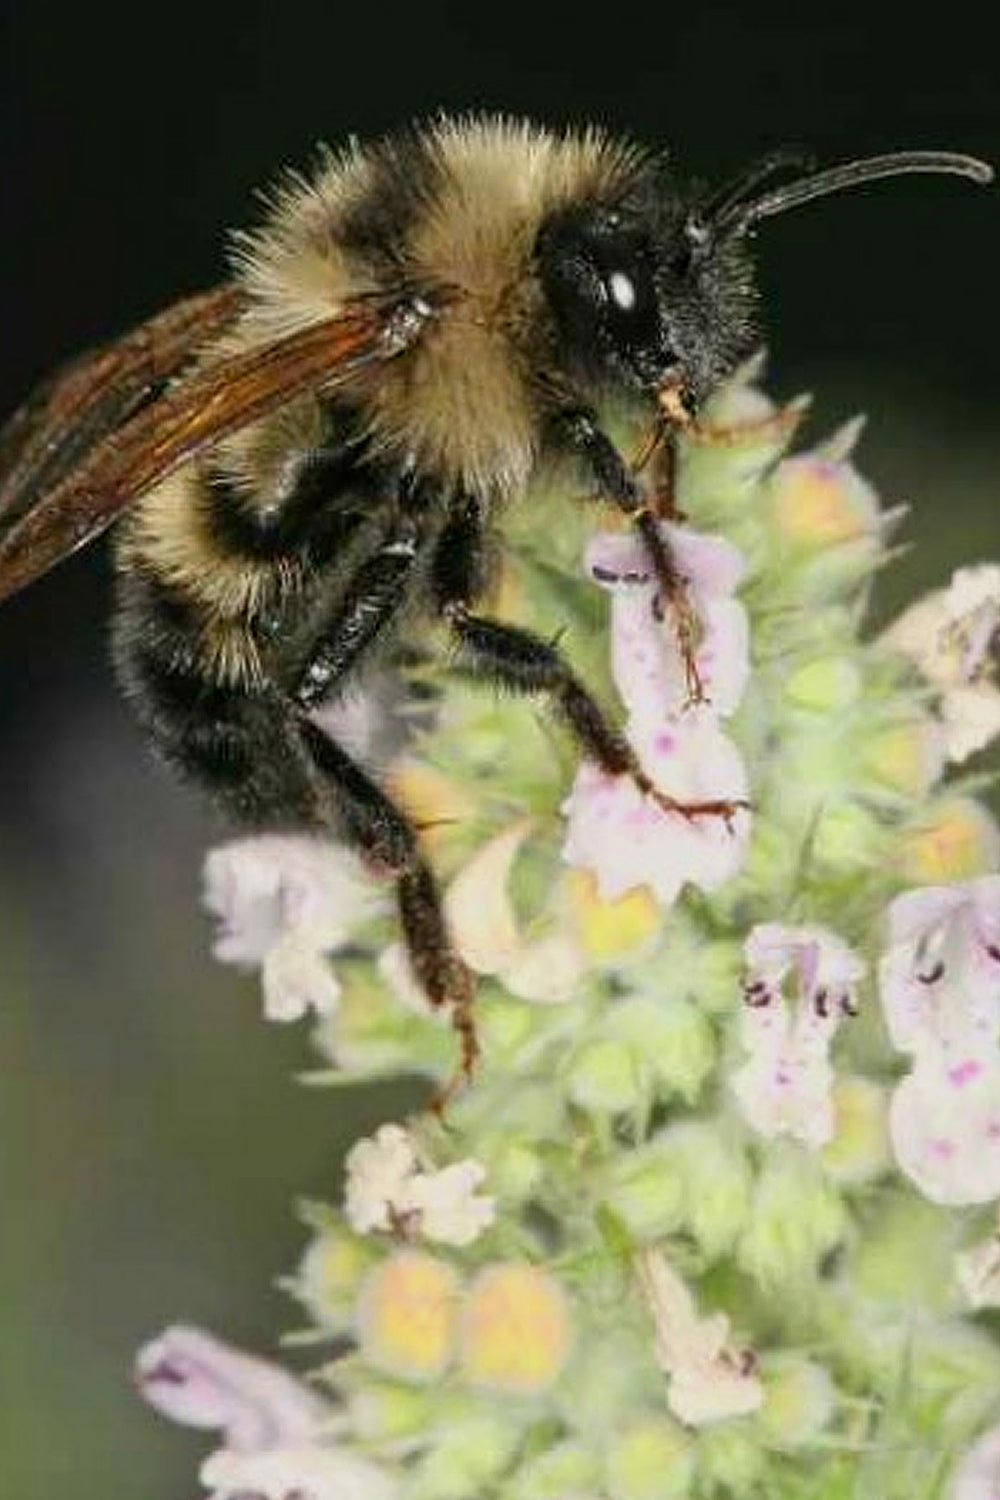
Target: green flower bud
{"points": [[382, 1409], [731, 1461], [469, 1453], [671, 1041], [647, 1191], [566, 1469], [796, 1218], [847, 838], [716, 1177], [905, 1258], [330, 1274], [514, 1168], [799, 1401], [859, 1151], [605, 1077], [609, 1379], [652, 1459], [827, 684]]}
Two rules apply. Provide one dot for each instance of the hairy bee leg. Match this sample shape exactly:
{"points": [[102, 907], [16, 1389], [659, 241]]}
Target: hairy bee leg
{"points": [[370, 820], [374, 825], [582, 434], [521, 661], [372, 599]]}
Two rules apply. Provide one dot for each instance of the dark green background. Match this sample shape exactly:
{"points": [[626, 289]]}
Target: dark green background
{"points": [[151, 1137]]}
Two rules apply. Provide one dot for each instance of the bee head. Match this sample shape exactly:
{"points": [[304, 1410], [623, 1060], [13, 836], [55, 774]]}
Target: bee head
{"points": [[658, 286]]}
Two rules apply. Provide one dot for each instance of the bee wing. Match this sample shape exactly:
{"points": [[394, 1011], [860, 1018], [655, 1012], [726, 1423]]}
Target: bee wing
{"points": [[129, 457], [61, 420]]}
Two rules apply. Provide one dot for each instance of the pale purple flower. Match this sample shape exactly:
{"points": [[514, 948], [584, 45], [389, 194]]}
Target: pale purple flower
{"points": [[940, 985], [628, 840], [646, 659], [284, 901], [940, 975], [784, 1088], [275, 1430], [195, 1378], [710, 1379]]}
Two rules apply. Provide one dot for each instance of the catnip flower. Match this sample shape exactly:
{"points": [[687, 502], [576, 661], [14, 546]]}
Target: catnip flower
{"points": [[624, 837], [940, 985], [710, 1379], [785, 1086], [646, 660], [388, 1190], [275, 1443], [283, 902], [952, 634]]}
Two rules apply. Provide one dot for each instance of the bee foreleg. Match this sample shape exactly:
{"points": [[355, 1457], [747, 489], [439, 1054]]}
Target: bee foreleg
{"points": [[579, 431], [522, 662]]}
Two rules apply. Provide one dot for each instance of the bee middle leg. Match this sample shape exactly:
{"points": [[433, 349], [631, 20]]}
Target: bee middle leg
{"points": [[523, 662]]}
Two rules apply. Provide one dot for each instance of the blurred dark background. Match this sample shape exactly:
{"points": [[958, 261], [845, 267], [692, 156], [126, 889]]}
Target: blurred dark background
{"points": [[151, 1135]]}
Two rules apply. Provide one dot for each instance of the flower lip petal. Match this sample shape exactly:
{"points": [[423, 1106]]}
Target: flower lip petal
{"points": [[195, 1378]]}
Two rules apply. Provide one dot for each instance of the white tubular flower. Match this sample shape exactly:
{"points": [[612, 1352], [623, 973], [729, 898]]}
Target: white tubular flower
{"points": [[977, 1475], [378, 1169], [274, 1439], [646, 659], [283, 901], [388, 1190], [445, 1203], [940, 985], [710, 1379], [785, 1086], [628, 841], [952, 635]]}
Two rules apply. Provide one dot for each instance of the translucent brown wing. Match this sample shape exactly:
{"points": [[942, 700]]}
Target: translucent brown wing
{"points": [[50, 434], [81, 495]]}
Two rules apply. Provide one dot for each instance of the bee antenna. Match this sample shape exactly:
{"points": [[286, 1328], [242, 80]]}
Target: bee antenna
{"points": [[720, 204], [737, 216]]}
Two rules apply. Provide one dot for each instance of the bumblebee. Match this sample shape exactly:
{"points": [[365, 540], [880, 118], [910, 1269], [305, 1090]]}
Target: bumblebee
{"points": [[325, 444]]}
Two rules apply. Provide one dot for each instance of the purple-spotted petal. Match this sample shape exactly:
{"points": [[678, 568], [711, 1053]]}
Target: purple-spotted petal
{"points": [[627, 840], [944, 1122], [647, 663]]}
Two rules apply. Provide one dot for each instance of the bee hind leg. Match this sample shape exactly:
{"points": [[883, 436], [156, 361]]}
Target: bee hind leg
{"points": [[371, 823]]}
